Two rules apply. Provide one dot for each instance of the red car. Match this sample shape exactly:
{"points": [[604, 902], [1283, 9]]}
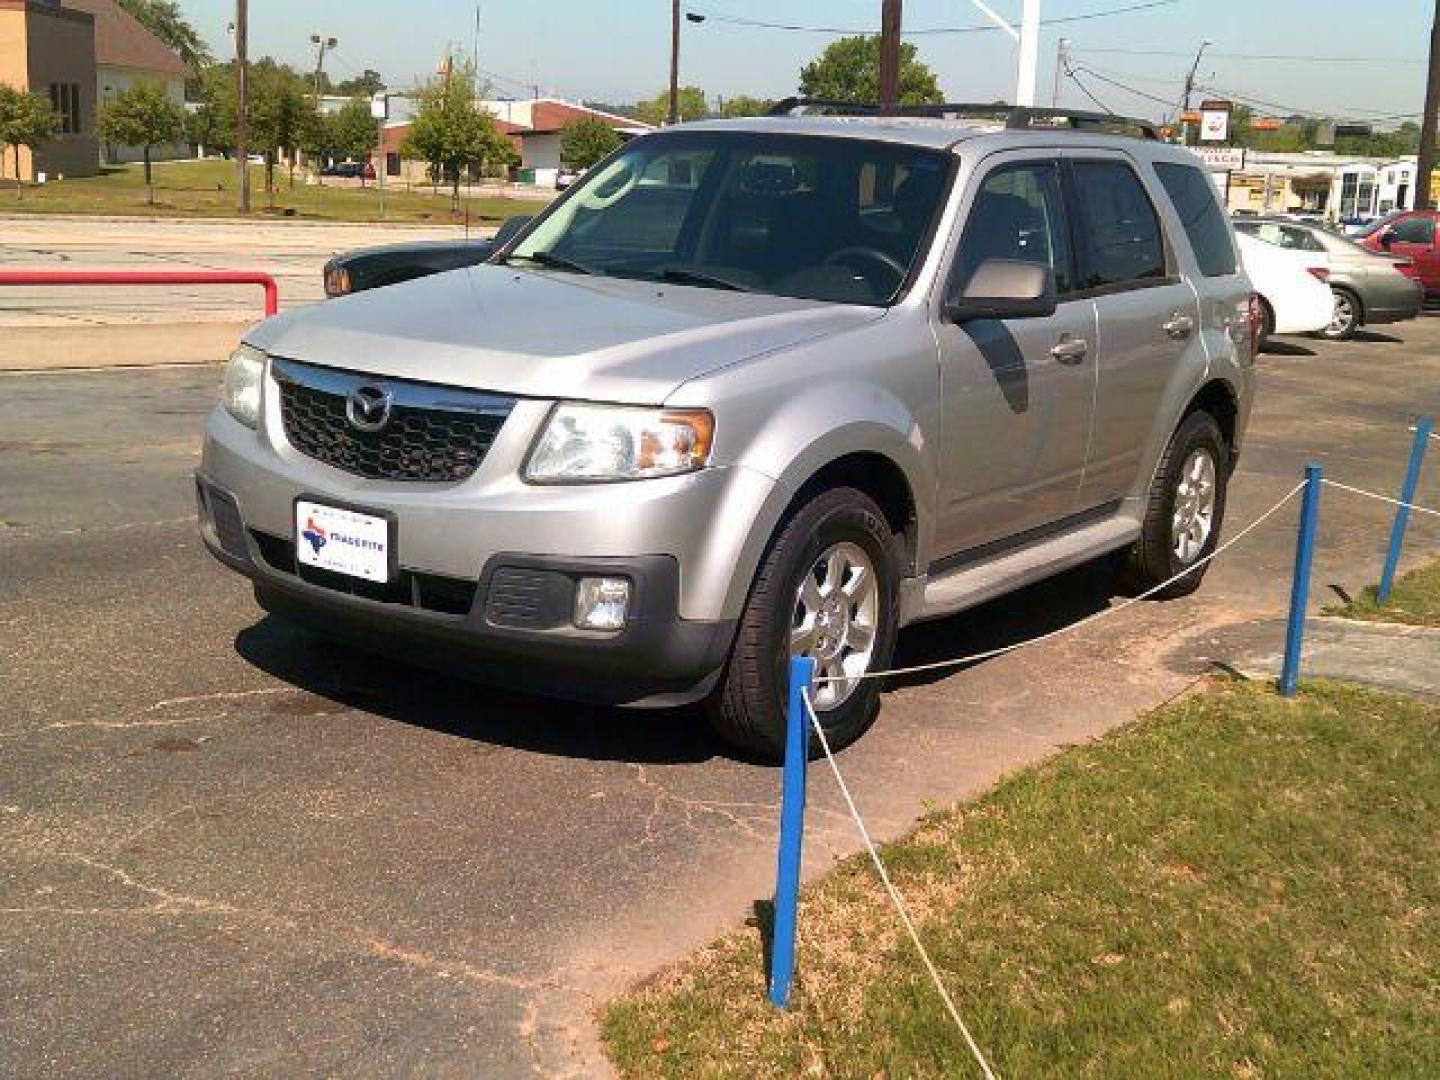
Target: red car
{"points": [[1409, 236]]}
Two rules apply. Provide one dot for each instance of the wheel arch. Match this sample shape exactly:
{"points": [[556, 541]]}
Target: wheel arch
{"points": [[1221, 400]]}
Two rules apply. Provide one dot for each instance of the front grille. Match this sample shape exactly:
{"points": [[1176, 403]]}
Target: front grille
{"points": [[435, 434], [428, 592]]}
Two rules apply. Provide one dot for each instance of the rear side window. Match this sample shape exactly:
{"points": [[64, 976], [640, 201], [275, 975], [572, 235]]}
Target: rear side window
{"points": [[1193, 196], [1118, 235]]}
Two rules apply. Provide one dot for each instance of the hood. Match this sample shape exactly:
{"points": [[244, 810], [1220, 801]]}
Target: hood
{"points": [[550, 334]]}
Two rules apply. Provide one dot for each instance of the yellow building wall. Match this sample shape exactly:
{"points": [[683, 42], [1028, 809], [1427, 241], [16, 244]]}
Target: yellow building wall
{"points": [[14, 72]]}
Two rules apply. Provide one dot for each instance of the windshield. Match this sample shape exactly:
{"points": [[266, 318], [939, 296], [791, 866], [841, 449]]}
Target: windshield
{"points": [[811, 217]]}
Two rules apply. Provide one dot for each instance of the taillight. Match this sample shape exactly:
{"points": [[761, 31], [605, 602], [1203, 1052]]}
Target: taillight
{"points": [[1255, 326], [1319, 273]]}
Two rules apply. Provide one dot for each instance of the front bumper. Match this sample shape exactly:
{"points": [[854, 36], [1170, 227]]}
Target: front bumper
{"points": [[508, 627]]}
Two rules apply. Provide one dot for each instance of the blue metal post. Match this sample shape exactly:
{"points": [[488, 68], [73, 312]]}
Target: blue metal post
{"points": [[1300, 587], [792, 829], [1402, 514]]}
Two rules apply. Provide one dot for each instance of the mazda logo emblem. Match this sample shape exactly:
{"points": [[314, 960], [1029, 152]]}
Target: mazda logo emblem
{"points": [[368, 408]]}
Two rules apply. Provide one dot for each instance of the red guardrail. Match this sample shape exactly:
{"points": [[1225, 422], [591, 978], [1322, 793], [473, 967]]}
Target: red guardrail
{"points": [[147, 277]]}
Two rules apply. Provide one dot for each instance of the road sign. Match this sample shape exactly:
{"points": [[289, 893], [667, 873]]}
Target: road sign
{"points": [[1222, 158]]}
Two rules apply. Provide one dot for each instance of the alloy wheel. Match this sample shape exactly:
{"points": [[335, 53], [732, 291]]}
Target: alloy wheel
{"points": [[1194, 516], [835, 621]]}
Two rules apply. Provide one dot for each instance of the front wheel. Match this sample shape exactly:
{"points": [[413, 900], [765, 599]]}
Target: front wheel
{"points": [[827, 588], [1184, 513]]}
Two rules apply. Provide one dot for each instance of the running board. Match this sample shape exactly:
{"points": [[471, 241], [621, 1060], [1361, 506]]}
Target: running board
{"points": [[971, 585]]}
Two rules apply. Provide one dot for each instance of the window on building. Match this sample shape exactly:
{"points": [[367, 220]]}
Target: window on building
{"points": [[65, 100], [1120, 238]]}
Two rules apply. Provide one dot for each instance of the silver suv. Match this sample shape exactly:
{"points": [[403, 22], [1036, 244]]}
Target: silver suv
{"points": [[753, 389]]}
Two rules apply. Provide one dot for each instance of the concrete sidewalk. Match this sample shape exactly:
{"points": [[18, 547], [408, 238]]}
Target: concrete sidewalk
{"points": [[60, 348], [1384, 655]]}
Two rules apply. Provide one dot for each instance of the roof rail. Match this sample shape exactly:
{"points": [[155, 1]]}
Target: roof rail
{"points": [[1016, 117]]}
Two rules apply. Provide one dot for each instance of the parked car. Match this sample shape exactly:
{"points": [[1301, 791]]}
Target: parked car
{"points": [[1295, 296], [682, 430], [1410, 235], [390, 264], [565, 178], [1367, 288], [347, 170]]}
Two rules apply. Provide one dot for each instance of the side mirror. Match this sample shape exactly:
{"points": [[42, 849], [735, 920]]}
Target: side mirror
{"points": [[1387, 239], [510, 228], [1005, 289]]}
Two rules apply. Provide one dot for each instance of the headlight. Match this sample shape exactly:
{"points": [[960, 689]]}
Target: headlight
{"points": [[596, 442], [244, 382], [337, 280]]}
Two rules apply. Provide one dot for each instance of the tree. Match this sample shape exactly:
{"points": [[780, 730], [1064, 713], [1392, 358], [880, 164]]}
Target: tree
{"points": [[451, 132], [849, 70], [164, 19], [367, 84], [585, 141], [142, 116], [212, 123], [745, 105], [691, 102], [25, 120], [282, 113]]}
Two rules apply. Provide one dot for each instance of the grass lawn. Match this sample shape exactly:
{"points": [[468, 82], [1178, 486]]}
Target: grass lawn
{"points": [[1415, 601], [1232, 886], [207, 189]]}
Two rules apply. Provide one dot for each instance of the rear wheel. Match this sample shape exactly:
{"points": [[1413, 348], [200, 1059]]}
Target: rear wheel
{"points": [[1267, 323], [1185, 511], [828, 589], [1346, 318]]}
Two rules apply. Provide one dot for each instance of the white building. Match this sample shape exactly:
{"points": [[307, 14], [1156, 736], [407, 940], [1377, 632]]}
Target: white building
{"points": [[540, 121], [126, 54]]}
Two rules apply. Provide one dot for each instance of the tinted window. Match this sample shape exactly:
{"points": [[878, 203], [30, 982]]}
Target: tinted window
{"points": [[819, 218], [1415, 230], [1018, 215], [1118, 234], [1193, 195]]}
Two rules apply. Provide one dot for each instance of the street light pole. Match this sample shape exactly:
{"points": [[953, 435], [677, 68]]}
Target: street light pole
{"points": [[890, 21], [1190, 89], [673, 115], [321, 43], [1062, 64], [242, 104], [1426, 164]]}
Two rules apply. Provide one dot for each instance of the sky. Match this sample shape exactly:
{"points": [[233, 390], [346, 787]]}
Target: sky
{"points": [[1283, 52]]}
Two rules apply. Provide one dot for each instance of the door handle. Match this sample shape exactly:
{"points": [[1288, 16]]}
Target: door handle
{"points": [[1071, 350], [1180, 326]]}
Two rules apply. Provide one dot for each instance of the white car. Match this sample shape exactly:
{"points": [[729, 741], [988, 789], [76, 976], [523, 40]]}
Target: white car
{"points": [[1294, 289]]}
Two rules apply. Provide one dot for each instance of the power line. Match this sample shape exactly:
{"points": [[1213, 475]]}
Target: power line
{"points": [[1261, 56], [978, 28], [1070, 71], [1371, 114], [1169, 103]]}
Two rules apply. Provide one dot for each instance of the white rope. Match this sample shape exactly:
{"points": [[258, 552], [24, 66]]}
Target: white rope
{"points": [[941, 665], [895, 895], [1381, 498]]}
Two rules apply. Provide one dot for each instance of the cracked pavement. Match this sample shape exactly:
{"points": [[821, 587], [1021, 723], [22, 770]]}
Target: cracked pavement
{"points": [[228, 846]]}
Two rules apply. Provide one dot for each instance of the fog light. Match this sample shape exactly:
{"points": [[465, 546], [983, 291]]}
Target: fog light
{"points": [[601, 603]]}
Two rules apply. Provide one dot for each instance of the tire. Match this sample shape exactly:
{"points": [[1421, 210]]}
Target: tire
{"points": [[1343, 327], [747, 709], [1157, 556], [1267, 324]]}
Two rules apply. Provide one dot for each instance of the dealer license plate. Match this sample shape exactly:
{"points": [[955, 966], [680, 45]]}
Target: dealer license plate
{"points": [[343, 541]]}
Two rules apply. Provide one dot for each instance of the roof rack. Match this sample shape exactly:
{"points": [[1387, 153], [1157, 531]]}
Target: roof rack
{"points": [[1015, 117]]}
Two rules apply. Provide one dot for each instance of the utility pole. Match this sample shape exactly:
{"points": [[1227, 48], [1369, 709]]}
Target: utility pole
{"points": [[890, 19], [1029, 52], [673, 116], [323, 44], [242, 103], [1190, 89], [1062, 65], [1427, 125]]}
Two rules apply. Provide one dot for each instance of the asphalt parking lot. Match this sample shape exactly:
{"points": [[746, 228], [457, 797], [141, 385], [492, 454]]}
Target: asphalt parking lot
{"points": [[228, 846]]}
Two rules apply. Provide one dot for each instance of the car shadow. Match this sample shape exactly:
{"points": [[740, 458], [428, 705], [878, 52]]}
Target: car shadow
{"points": [[1031, 612], [389, 687], [452, 705], [1374, 337], [1285, 348]]}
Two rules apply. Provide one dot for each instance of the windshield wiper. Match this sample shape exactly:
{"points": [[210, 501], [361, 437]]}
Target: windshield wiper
{"points": [[554, 262], [684, 276]]}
